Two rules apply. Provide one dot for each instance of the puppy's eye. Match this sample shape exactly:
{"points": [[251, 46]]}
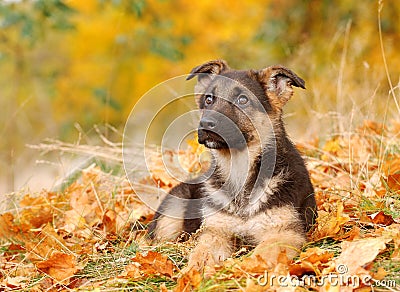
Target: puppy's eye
{"points": [[208, 99], [242, 99]]}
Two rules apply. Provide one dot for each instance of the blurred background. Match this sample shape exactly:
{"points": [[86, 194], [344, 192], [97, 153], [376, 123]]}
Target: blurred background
{"points": [[69, 65]]}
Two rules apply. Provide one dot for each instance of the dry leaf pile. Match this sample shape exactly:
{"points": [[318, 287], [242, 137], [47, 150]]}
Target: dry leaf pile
{"points": [[91, 236]]}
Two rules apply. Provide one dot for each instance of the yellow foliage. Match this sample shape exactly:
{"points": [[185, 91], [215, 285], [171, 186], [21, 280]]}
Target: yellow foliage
{"points": [[105, 55], [109, 49]]}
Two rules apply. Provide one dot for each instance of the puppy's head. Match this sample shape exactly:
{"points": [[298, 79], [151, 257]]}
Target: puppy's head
{"points": [[238, 106]]}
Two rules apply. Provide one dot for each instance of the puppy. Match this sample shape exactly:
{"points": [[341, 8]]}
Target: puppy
{"points": [[258, 188]]}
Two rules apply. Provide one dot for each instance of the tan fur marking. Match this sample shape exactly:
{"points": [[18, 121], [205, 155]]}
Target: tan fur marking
{"points": [[271, 230], [168, 229], [278, 234], [277, 217], [214, 246], [274, 219], [235, 165], [265, 128], [277, 241]]}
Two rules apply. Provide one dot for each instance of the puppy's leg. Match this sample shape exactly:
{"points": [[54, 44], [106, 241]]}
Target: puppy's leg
{"points": [[164, 227], [178, 212], [215, 243], [278, 241], [276, 230], [214, 246]]}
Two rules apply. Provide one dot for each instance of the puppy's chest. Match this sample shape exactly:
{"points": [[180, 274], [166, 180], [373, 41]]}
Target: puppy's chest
{"points": [[241, 197], [241, 184]]}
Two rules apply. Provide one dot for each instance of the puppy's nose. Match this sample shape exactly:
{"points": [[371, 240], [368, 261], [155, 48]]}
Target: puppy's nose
{"points": [[207, 123]]}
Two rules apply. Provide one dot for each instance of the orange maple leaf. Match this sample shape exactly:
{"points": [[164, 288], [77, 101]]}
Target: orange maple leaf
{"points": [[188, 281], [154, 263], [381, 218], [59, 266], [331, 223]]}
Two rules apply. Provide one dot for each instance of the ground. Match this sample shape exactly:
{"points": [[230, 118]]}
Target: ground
{"points": [[91, 235]]}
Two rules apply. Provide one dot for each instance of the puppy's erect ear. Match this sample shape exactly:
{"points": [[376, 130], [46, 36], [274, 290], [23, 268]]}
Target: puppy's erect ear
{"points": [[277, 82]]}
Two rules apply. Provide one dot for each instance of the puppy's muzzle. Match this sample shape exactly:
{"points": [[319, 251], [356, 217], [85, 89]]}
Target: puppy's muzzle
{"points": [[218, 131], [209, 133]]}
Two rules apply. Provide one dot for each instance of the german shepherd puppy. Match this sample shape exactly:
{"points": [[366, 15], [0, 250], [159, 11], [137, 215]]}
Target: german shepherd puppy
{"points": [[259, 189]]}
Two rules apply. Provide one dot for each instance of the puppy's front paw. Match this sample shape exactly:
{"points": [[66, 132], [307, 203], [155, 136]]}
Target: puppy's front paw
{"points": [[199, 258], [213, 247], [272, 248], [204, 258], [267, 254]]}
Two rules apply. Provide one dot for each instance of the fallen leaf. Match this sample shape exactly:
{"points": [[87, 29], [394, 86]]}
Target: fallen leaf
{"points": [[381, 193], [188, 281], [163, 288], [109, 221], [310, 261], [251, 286], [332, 146], [380, 218], [254, 265], [373, 127], [16, 282], [76, 282], [36, 211], [349, 235], [391, 166], [59, 266], [379, 274], [131, 271], [10, 230], [362, 289], [154, 263], [14, 248], [356, 254], [393, 231], [44, 243], [46, 284], [331, 223], [301, 268], [73, 221], [328, 287], [393, 182], [316, 255]]}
